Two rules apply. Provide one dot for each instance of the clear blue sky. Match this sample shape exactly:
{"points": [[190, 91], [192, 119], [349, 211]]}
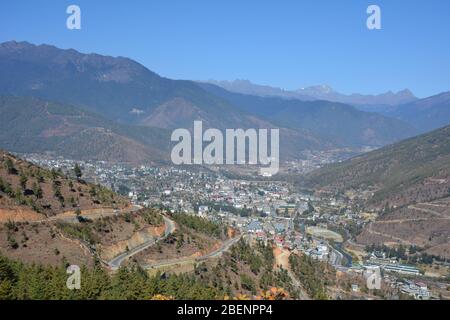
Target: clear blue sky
{"points": [[289, 44]]}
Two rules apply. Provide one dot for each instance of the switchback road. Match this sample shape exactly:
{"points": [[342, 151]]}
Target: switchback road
{"points": [[115, 263], [216, 253]]}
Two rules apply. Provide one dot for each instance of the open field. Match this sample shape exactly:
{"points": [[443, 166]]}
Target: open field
{"points": [[325, 234]]}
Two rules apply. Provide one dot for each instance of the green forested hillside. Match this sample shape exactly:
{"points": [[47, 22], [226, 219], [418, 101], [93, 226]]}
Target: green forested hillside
{"points": [[425, 114], [244, 271], [19, 281]]}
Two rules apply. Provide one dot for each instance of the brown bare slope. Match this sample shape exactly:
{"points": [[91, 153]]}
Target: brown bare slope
{"points": [[36, 125], [37, 193], [410, 181], [425, 225], [413, 170], [35, 209]]}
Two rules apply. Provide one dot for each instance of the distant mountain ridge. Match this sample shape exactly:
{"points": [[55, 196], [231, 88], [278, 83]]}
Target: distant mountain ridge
{"points": [[425, 114], [112, 87], [123, 102], [338, 123], [319, 92]]}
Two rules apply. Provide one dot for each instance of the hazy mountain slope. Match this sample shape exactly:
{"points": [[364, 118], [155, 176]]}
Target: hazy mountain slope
{"points": [[344, 124], [117, 88], [413, 170], [125, 92], [35, 125], [181, 113], [334, 122], [122, 91], [425, 114]]}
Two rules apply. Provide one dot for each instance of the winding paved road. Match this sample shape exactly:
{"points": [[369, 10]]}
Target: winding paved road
{"points": [[115, 263], [216, 253]]}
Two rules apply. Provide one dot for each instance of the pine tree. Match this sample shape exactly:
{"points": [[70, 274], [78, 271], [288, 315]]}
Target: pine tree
{"points": [[6, 290], [23, 181], [37, 190], [6, 271], [77, 171], [9, 166]]}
